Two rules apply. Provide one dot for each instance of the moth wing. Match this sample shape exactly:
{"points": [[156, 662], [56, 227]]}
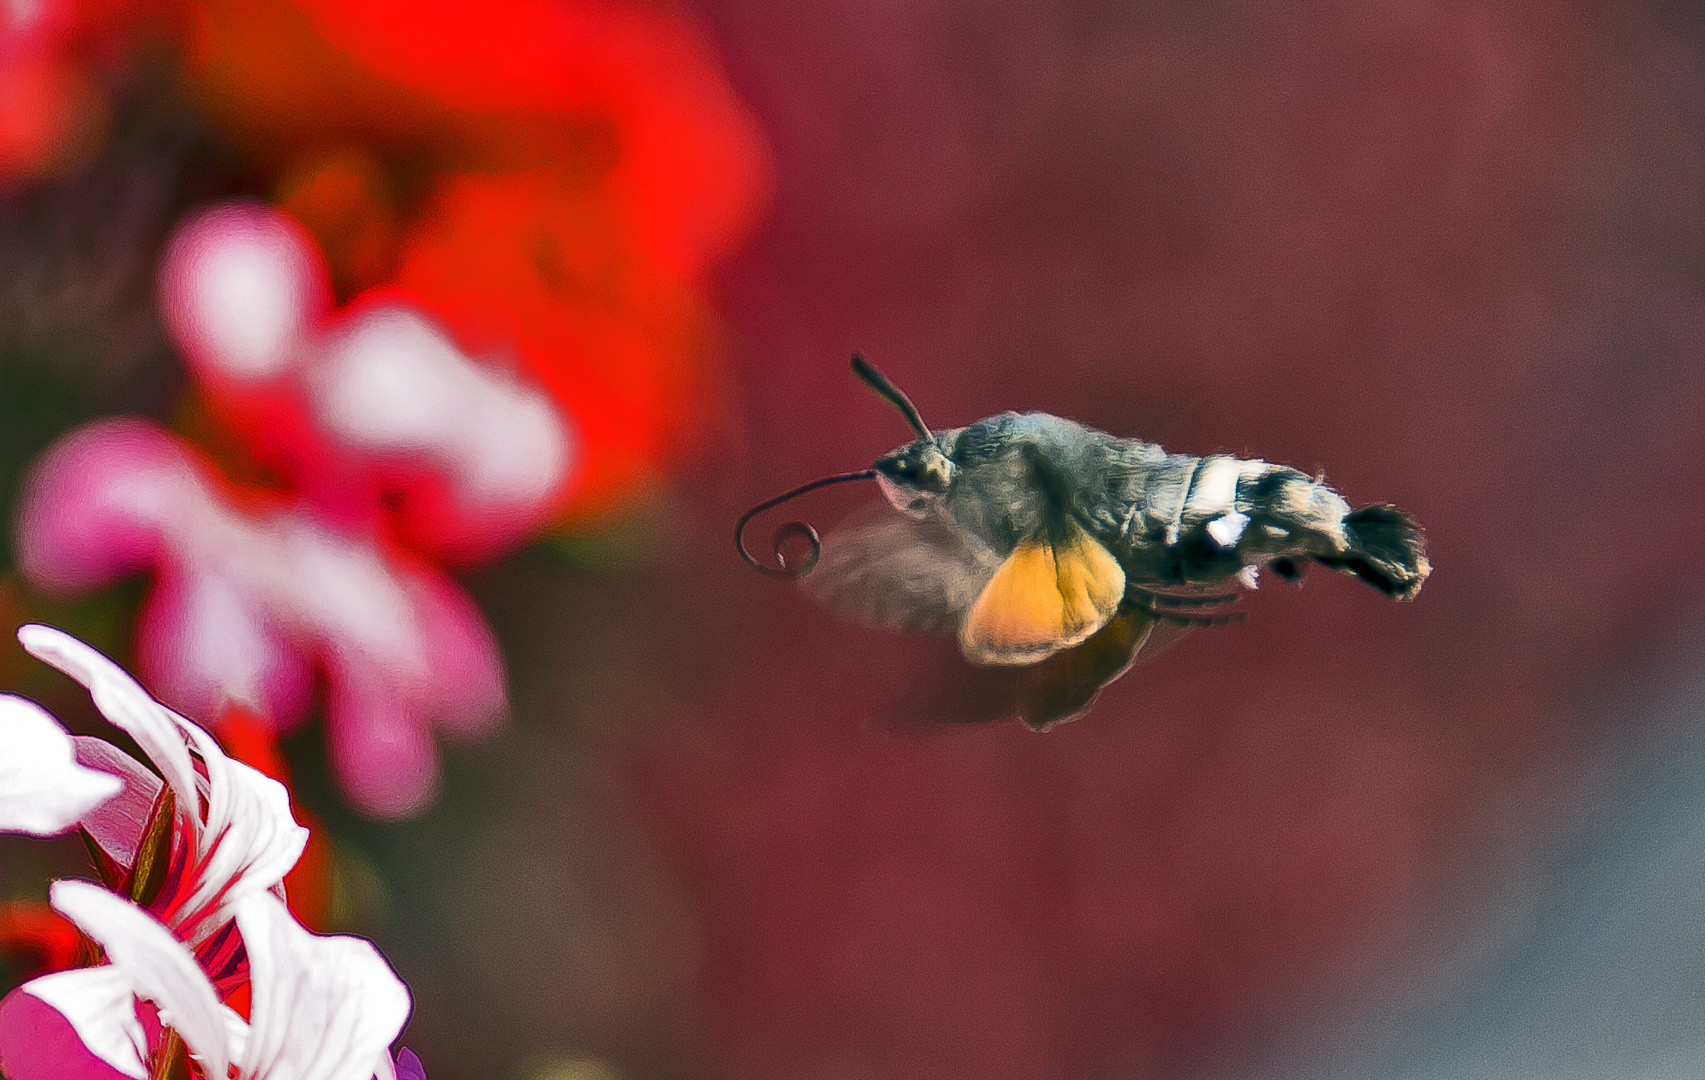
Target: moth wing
{"points": [[1047, 596], [1065, 685], [934, 688], [891, 572]]}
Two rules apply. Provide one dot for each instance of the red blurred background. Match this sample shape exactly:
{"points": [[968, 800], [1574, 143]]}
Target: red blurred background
{"points": [[1453, 254]]}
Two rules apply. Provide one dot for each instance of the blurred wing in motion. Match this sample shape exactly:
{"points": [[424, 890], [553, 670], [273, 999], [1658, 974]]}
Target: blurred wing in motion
{"points": [[1037, 635], [938, 688], [891, 572], [1066, 684]]}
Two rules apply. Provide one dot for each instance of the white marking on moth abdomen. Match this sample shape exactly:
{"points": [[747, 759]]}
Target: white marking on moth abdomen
{"points": [[1215, 490], [1181, 492], [1227, 529]]}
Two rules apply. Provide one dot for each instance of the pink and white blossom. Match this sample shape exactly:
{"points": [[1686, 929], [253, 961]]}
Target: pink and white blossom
{"points": [[374, 398], [249, 601], [237, 834], [212, 922], [395, 449]]}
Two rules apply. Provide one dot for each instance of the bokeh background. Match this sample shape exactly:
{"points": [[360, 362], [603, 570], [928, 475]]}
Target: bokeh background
{"points": [[1452, 254]]}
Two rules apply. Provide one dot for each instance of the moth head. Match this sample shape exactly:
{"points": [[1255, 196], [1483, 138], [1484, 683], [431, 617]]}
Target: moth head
{"points": [[912, 477], [915, 476]]}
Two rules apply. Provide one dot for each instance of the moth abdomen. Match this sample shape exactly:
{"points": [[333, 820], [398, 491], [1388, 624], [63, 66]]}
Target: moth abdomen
{"points": [[1386, 550]]}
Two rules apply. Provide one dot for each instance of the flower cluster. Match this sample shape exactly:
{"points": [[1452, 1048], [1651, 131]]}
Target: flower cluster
{"points": [[386, 433], [199, 962], [469, 311]]}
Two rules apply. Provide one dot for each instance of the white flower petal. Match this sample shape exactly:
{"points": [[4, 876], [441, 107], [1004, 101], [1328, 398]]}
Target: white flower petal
{"points": [[322, 1008], [236, 1032], [100, 1005], [253, 837], [158, 966], [124, 703], [43, 791]]}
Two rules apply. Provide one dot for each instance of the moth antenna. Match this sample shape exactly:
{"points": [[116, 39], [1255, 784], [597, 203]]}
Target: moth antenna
{"points": [[791, 529], [867, 373]]}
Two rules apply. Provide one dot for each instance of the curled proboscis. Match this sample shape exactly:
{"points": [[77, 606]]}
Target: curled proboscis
{"points": [[783, 568]]}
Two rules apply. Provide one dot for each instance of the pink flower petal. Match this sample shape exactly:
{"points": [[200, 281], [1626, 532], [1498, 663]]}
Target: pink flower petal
{"points": [[97, 504], [203, 642], [466, 692], [117, 824], [38, 1042], [382, 754], [409, 1066], [241, 287]]}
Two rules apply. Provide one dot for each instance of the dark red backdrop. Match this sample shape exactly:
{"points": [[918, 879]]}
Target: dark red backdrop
{"points": [[1451, 253]]}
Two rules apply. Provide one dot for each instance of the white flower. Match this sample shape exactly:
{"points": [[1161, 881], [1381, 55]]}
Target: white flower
{"points": [[322, 1008], [43, 791], [234, 822]]}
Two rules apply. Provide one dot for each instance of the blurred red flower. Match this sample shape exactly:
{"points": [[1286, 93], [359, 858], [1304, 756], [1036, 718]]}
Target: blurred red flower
{"points": [[53, 105], [548, 179]]}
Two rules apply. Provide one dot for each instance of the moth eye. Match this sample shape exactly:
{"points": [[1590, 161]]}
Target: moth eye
{"points": [[935, 473]]}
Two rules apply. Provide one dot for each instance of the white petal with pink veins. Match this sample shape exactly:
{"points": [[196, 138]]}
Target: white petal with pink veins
{"points": [[251, 838], [246, 841], [43, 791], [158, 966], [321, 1008]]}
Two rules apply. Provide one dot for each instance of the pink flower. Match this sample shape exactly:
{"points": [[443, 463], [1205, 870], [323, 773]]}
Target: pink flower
{"points": [[397, 449], [248, 601]]}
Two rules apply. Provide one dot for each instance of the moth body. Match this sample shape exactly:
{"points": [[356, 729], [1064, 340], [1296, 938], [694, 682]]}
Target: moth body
{"points": [[1173, 521]]}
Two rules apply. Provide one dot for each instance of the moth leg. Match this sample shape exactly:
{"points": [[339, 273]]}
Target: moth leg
{"points": [[1186, 610], [1179, 618], [1159, 599]]}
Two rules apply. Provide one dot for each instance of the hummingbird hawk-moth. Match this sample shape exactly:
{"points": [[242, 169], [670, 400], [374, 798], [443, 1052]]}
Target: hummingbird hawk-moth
{"points": [[1053, 550]]}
